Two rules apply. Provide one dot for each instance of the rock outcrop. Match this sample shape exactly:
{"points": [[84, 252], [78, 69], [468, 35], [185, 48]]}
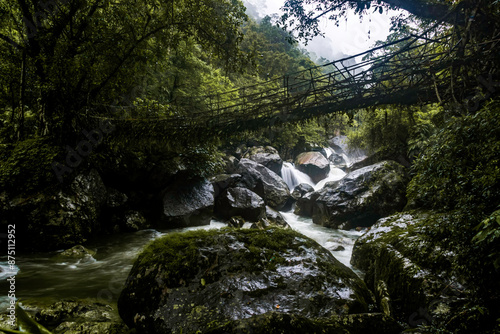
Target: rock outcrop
{"points": [[205, 280], [240, 202], [358, 199], [265, 155], [313, 164], [264, 182], [188, 204]]}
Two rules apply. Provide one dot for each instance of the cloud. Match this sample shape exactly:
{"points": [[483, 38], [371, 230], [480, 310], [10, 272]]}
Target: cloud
{"points": [[351, 37]]}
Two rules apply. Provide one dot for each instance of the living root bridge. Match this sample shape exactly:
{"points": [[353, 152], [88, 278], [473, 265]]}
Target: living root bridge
{"points": [[412, 70]]}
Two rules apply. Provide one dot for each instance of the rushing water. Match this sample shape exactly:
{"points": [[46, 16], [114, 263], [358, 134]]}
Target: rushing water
{"points": [[293, 177], [45, 277]]}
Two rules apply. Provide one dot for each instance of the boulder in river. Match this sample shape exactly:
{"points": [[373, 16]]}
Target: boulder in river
{"points": [[188, 203], [77, 252], [359, 198], [240, 202], [203, 280], [338, 160], [265, 155], [264, 182], [313, 164], [302, 189]]}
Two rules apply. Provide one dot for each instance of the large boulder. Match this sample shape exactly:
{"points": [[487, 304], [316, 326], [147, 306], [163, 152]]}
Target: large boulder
{"points": [[265, 155], [240, 202], [188, 204], [410, 271], [313, 164], [358, 199], [264, 182], [223, 181], [203, 280], [59, 218]]}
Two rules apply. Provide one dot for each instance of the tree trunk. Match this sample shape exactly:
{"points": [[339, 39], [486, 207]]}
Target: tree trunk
{"points": [[20, 118]]}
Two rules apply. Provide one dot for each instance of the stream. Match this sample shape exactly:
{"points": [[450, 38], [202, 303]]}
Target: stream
{"points": [[42, 277]]}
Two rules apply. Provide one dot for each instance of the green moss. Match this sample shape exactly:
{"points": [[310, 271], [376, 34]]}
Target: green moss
{"points": [[180, 250]]}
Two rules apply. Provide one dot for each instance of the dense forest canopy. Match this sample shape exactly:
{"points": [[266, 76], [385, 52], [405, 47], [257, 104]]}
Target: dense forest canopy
{"points": [[59, 57]]}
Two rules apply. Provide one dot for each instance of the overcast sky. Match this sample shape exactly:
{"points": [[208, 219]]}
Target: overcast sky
{"points": [[350, 38]]}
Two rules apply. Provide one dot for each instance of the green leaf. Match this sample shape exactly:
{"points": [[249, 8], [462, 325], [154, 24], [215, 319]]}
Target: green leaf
{"points": [[5, 330], [28, 325]]}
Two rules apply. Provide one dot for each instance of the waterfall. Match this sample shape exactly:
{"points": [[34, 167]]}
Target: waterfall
{"points": [[293, 177], [334, 175], [329, 151]]}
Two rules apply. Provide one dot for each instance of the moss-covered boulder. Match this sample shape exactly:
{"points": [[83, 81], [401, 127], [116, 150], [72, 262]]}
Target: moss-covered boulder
{"points": [[265, 155], [76, 253], [201, 280], [264, 182], [313, 164], [415, 276], [358, 199], [80, 316]]}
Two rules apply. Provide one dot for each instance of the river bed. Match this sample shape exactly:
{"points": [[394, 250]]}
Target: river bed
{"points": [[45, 278]]}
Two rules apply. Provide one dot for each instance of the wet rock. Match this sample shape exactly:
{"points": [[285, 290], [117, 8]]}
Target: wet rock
{"points": [[231, 164], [240, 202], [223, 181], [264, 182], [199, 280], [285, 323], [188, 203], [115, 198], [382, 155], [338, 248], [76, 253], [410, 272], [358, 199], [339, 144], [274, 218], [135, 221], [337, 160], [302, 189], [72, 316], [267, 156], [60, 218], [313, 164], [304, 205]]}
